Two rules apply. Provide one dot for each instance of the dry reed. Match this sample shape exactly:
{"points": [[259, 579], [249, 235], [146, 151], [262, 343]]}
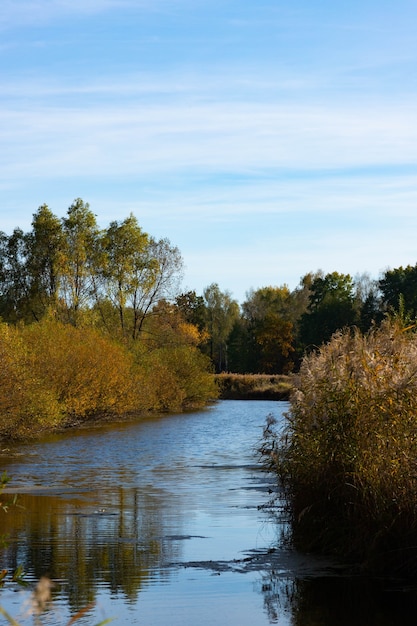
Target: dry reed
{"points": [[347, 458]]}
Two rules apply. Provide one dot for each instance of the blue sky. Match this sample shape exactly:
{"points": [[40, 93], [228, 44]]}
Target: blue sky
{"points": [[265, 139]]}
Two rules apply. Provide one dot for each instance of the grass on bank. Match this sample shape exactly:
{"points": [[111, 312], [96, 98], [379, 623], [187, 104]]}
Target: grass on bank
{"points": [[253, 386], [347, 458]]}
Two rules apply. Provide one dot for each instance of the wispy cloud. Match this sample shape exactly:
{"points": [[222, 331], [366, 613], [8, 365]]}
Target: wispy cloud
{"points": [[276, 139], [23, 12], [224, 136]]}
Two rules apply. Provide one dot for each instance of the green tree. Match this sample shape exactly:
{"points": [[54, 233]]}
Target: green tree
{"points": [[193, 308], [158, 279], [125, 260], [44, 254], [331, 307], [399, 291], [137, 272], [222, 313], [267, 312], [79, 259], [368, 301], [14, 289], [241, 348], [300, 296], [299, 305]]}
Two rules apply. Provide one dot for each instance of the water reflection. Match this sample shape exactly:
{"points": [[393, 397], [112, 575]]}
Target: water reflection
{"points": [[326, 601], [86, 546]]}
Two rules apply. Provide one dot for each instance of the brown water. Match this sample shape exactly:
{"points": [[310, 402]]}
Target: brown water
{"points": [[158, 523]]}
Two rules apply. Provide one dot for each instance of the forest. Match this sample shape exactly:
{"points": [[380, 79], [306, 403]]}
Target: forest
{"points": [[94, 322]]}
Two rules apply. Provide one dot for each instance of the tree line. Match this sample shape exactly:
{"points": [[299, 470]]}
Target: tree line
{"points": [[84, 274], [126, 284], [275, 327]]}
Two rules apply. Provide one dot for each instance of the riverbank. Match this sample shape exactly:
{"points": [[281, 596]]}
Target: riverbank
{"points": [[253, 386]]}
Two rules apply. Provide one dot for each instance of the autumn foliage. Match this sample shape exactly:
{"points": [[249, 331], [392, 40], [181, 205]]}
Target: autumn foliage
{"points": [[55, 374], [89, 328]]}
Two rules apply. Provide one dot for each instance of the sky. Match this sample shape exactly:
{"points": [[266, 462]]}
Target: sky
{"points": [[265, 139]]}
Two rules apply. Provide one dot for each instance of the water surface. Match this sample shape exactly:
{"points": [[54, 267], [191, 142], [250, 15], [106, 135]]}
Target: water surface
{"points": [[160, 522]]}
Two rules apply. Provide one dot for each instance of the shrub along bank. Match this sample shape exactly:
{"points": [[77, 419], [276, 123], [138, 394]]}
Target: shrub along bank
{"points": [[54, 375], [347, 458]]}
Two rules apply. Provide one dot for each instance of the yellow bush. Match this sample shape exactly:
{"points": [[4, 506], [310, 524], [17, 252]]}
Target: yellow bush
{"points": [[56, 374], [176, 377], [88, 373], [191, 372], [25, 403]]}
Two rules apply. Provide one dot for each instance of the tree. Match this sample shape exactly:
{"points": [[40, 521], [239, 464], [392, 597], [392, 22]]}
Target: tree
{"points": [[299, 305], [167, 327], [79, 260], [265, 299], [222, 312], [368, 301], [399, 290], [83, 274], [158, 279], [331, 307], [14, 289], [125, 254], [137, 272], [45, 245], [300, 296], [274, 335], [192, 308], [270, 337], [240, 348]]}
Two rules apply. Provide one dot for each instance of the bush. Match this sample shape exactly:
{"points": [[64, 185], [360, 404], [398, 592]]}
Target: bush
{"points": [[348, 456], [25, 403], [88, 373], [177, 378], [54, 374]]}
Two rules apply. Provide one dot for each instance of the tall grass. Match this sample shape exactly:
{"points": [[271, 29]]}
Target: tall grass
{"points": [[348, 456]]}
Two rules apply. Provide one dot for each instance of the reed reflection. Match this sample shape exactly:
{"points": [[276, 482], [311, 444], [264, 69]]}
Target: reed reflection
{"points": [[341, 600]]}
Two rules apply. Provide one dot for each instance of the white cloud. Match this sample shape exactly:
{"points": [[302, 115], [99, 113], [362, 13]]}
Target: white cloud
{"points": [[134, 138]]}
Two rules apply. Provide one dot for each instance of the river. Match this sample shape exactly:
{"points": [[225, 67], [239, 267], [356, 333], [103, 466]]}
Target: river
{"points": [[161, 522]]}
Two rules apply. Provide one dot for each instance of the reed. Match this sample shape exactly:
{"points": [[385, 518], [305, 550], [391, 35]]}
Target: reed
{"points": [[347, 458]]}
